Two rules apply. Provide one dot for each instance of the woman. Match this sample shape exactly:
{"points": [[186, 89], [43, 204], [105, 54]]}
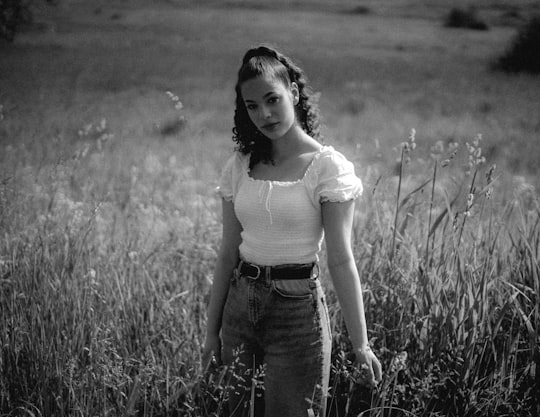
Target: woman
{"points": [[282, 192]]}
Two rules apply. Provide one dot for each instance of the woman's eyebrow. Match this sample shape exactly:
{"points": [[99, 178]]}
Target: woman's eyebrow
{"points": [[265, 96]]}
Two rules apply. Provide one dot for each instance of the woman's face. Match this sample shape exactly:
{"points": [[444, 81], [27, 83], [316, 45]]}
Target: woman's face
{"points": [[270, 105]]}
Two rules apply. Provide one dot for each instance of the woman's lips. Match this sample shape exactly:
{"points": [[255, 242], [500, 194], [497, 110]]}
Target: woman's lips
{"points": [[271, 126]]}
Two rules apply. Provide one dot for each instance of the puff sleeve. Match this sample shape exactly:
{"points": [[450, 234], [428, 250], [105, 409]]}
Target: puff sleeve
{"points": [[231, 175], [336, 180]]}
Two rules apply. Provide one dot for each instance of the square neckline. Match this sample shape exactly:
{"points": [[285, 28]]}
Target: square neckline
{"points": [[287, 182]]}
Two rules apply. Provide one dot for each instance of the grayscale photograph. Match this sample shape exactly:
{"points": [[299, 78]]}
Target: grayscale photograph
{"points": [[269, 208]]}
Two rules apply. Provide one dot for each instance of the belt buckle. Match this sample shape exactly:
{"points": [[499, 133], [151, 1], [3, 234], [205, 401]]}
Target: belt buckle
{"points": [[258, 272]]}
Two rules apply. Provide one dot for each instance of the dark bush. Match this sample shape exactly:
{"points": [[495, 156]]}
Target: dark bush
{"points": [[523, 55], [13, 14], [468, 19], [361, 10]]}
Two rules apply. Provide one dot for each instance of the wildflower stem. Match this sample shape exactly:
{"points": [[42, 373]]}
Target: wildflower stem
{"points": [[431, 213], [397, 204], [471, 191]]}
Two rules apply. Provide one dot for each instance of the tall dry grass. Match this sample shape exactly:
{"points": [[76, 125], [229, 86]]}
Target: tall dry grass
{"points": [[107, 249]]}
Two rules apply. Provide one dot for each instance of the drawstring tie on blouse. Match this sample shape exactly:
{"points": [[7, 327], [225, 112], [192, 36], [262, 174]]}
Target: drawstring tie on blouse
{"points": [[265, 193]]}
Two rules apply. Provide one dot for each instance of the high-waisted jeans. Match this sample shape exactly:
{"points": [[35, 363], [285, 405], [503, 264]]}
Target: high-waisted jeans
{"points": [[277, 331]]}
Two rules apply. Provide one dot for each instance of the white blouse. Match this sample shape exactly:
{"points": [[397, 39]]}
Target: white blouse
{"points": [[281, 220]]}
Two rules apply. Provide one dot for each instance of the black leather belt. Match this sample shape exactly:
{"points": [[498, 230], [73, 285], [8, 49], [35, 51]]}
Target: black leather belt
{"points": [[252, 271]]}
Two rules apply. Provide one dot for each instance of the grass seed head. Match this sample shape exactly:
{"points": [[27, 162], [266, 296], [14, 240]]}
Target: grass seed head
{"points": [[475, 157]]}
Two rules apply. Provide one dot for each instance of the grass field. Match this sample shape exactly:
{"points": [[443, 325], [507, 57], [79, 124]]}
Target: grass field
{"points": [[115, 121]]}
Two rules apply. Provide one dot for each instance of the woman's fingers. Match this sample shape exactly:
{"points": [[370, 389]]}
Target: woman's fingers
{"points": [[211, 355], [206, 357], [377, 369], [210, 359], [371, 376], [368, 370]]}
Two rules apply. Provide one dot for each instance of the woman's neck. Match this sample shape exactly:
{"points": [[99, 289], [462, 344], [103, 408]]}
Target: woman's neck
{"points": [[290, 145]]}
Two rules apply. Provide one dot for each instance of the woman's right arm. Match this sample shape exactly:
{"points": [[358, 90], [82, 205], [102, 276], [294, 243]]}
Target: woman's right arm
{"points": [[226, 262]]}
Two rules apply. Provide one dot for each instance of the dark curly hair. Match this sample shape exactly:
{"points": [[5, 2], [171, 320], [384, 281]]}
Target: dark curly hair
{"points": [[265, 61]]}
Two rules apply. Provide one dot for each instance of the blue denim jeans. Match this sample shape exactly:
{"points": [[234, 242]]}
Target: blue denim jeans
{"points": [[276, 332]]}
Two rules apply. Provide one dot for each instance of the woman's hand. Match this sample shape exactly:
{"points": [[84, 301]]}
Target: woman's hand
{"points": [[211, 354], [368, 367]]}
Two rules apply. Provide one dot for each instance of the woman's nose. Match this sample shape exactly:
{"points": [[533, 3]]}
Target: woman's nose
{"points": [[265, 112]]}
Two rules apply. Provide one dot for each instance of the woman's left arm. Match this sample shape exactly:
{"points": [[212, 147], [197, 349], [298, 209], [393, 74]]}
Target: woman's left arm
{"points": [[338, 222]]}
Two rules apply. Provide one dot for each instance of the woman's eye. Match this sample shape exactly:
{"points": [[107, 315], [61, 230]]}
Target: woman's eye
{"points": [[273, 100], [251, 106]]}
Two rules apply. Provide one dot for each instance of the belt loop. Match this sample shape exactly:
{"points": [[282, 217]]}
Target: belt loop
{"points": [[267, 275], [239, 267], [315, 275]]}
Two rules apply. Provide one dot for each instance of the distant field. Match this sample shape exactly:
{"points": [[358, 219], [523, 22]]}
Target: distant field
{"points": [[379, 73]]}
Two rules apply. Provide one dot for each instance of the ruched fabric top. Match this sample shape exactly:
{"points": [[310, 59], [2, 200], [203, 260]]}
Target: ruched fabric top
{"points": [[281, 220]]}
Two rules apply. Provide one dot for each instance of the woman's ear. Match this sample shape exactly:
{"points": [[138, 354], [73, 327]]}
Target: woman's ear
{"points": [[295, 93]]}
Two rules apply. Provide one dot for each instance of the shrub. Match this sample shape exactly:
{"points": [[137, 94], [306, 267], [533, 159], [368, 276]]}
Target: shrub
{"points": [[523, 55], [460, 18], [361, 10], [13, 14]]}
